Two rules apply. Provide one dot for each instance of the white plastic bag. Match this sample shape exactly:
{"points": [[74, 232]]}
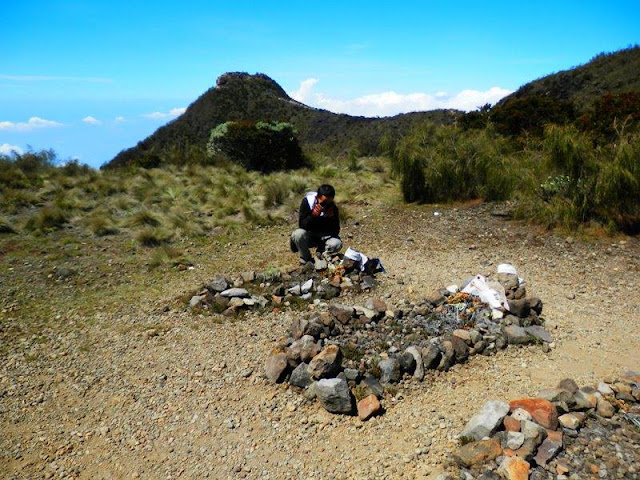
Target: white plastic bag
{"points": [[479, 288]]}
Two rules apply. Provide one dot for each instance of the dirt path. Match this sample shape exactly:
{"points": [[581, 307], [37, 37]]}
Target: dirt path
{"points": [[141, 393]]}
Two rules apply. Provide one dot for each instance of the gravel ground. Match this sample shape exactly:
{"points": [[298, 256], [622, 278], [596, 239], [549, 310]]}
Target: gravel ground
{"points": [[138, 392]]}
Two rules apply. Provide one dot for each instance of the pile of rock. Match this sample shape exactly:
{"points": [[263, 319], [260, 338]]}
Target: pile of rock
{"points": [[347, 355], [319, 280], [524, 438]]}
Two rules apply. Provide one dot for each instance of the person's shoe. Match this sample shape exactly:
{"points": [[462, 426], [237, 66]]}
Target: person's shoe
{"points": [[304, 261]]}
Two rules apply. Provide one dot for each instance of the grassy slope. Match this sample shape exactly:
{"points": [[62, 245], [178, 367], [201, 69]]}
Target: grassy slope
{"points": [[606, 73]]}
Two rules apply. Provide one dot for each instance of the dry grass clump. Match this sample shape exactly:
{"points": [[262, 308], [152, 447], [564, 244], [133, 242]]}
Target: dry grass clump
{"points": [[168, 255], [153, 237], [144, 218], [47, 220], [6, 226]]}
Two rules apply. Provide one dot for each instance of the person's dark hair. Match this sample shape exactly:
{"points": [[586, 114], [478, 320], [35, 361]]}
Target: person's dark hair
{"points": [[327, 191]]}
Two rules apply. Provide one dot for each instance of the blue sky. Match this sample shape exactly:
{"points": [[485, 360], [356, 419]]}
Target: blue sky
{"points": [[91, 78]]}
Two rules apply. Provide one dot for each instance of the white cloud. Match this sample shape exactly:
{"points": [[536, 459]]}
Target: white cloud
{"points": [[303, 93], [33, 122], [91, 120], [120, 119], [391, 103], [6, 149], [174, 112]]}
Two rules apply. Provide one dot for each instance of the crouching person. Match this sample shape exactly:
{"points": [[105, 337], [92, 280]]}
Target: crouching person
{"points": [[319, 222]]}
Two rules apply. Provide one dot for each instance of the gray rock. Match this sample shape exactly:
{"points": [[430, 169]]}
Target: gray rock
{"points": [[487, 421], [196, 300], [533, 431], [448, 355], [248, 276], [376, 305], [275, 367], [390, 370], [463, 335], [321, 264], [557, 395], [569, 385], [342, 313], [235, 292], [300, 376], [373, 385], [334, 395], [368, 282], [407, 363], [418, 373], [514, 440], [303, 349], [515, 335], [351, 374], [539, 333], [460, 347], [431, 357], [218, 284], [519, 308]]}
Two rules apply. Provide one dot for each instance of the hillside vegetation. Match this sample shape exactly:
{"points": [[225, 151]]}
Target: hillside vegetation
{"points": [[252, 98], [582, 85]]}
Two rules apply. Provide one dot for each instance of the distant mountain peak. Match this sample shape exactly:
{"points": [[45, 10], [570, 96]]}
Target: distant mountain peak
{"points": [[235, 79]]}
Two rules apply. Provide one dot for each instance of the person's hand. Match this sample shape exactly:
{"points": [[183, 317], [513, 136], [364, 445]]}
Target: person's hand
{"points": [[317, 210]]}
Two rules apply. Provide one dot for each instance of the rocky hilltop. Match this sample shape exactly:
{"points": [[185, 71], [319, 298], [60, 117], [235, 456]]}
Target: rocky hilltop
{"points": [[240, 96]]}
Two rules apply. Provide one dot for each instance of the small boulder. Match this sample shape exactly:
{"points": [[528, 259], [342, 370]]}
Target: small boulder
{"points": [[572, 420], [300, 376], [569, 385], [418, 373], [334, 395], [235, 292], [542, 411], [373, 385], [549, 448], [327, 363], [516, 335], [390, 371], [218, 284], [376, 304], [539, 333], [477, 452], [368, 407], [487, 421], [514, 468], [342, 313], [605, 408], [430, 356], [511, 424], [276, 366], [585, 399]]}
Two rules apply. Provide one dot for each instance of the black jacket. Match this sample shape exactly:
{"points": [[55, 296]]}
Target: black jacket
{"points": [[319, 225]]}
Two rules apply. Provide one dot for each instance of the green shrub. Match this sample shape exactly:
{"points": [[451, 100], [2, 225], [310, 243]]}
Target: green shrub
{"points": [[261, 146], [445, 164]]}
